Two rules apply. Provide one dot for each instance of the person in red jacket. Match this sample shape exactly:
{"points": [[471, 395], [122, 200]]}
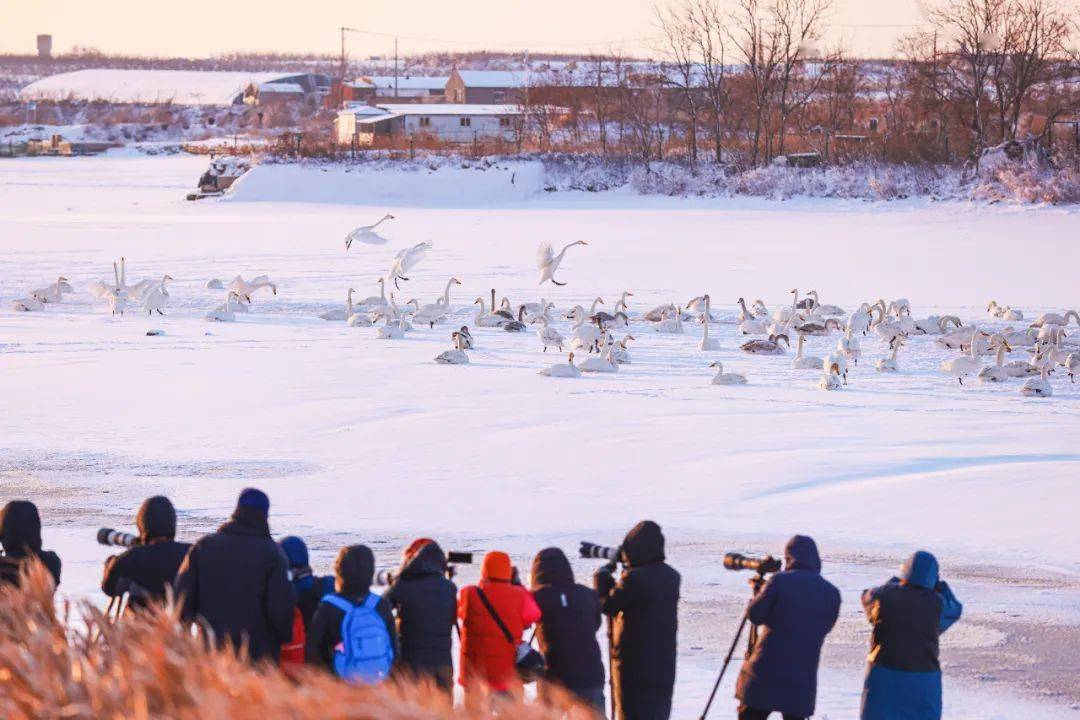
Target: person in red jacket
{"points": [[487, 657]]}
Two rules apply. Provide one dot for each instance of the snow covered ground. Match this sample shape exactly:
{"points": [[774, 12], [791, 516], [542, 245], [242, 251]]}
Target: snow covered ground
{"points": [[360, 439]]}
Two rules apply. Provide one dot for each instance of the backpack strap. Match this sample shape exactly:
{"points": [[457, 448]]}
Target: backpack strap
{"points": [[339, 602], [495, 616], [371, 601]]}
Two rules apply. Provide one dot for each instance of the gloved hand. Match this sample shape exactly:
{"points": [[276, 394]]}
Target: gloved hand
{"points": [[603, 581]]}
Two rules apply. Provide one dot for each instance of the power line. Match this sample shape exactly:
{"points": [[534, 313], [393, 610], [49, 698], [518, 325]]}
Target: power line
{"points": [[481, 43]]}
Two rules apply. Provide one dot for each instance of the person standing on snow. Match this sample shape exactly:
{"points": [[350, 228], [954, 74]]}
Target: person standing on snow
{"points": [[487, 657], [794, 612], [146, 570], [20, 537], [309, 588], [426, 604], [569, 620], [236, 581], [903, 681], [644, 607]]}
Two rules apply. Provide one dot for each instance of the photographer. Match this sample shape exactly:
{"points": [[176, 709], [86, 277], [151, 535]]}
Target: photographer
{"points": [[644, 607], [794, 612], [20, 536], [569, 619], [151, 566], [426, 605], [309, 588], [908, 614]]}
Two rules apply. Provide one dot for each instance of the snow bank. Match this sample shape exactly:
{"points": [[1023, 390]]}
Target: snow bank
{"points": [[403, 184]]}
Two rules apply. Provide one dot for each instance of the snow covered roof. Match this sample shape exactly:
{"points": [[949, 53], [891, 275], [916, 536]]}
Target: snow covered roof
{"points": [[403, 82], [493, 78], [282, 87], [379, 112], [180, 87]]}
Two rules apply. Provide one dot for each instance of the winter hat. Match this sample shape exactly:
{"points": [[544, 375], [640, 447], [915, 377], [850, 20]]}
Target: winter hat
{"points": [[255, 499], [156, 519], [497, 567], [920, 569], [414, 547], [643, 545], [20, 528], [354, 570], [295, 550]]}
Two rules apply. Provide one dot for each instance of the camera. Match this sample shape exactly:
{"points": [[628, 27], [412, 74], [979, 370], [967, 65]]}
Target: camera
{"points": [[767, 564], [598, 552], [387, 576], [109, 536]]}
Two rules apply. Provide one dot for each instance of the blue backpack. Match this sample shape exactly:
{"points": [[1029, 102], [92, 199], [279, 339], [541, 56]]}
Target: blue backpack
{"points": [[365, 653]]}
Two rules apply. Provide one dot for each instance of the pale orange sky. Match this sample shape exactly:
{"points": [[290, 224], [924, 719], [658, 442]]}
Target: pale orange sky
{"points": [[205, 27]]}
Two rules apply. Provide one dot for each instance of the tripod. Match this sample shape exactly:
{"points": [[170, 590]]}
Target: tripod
{"points": [[611, 567], [755, 583]]}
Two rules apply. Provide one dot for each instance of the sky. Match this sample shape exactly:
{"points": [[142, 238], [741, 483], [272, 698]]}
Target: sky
{"points": [[199, 28]]}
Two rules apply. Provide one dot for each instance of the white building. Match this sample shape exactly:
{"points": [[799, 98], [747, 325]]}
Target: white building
{"points": [[408, 87], [446, 122]]}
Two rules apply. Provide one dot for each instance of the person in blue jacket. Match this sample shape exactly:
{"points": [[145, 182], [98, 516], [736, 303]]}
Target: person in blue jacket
{"points": [[903, 681]]}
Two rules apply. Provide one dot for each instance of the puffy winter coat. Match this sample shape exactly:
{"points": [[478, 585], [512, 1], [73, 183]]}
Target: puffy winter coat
{"points": [[426, 605], [145, 571], [486, 655], [569, 619], [644, 605], [235, 580], [794, 612], [20, 537], [908, 613]]}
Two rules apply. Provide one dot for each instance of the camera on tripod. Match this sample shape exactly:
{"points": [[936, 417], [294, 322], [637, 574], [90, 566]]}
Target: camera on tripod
{"points": [[592, 551], [762, 566], [109, 536], [387, 576]]}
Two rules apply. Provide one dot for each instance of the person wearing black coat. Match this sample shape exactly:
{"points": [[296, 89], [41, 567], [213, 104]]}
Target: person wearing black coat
{"points": [[644, 607], [426, 605], [235, 581], [569, 619], [147, 569], [793, 613], [20, 538], [353, 573]]}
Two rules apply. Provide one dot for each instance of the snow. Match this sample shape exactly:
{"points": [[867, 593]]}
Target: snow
{"points": [[179, 87], [359, 439], [403, 82]]}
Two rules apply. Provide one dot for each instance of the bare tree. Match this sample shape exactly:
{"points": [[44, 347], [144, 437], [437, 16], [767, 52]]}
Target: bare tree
{"points": [[682, 68]]}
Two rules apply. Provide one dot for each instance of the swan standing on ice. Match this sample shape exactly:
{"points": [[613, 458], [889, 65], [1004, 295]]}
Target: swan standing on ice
{"points": [[367, 234], [890, 364], [456, 355], [850, 347], [859, 322], [375, 301], [964, 365], [562, 370], [226, 312], [405, 261], [547, 262], [438, 310], [157, 298], [136, 292], [549, 336], [804, 362], [723, 378], [707, 343]]}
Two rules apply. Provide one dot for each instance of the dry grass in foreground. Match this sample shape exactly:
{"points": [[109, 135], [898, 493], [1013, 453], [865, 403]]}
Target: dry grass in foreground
{"points": [[53, 666]]}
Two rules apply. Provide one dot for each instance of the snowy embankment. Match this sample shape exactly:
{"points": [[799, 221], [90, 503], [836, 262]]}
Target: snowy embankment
{"points": [[358, 439]]}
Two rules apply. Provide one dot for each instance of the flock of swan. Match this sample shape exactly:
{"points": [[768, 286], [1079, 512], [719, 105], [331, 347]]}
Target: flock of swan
{"points": [[589, 333]]}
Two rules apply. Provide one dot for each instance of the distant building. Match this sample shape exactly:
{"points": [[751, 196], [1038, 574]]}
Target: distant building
{"points": [[176, 87], [485, 86], [402, 89], [44, 46], [448, 122]]}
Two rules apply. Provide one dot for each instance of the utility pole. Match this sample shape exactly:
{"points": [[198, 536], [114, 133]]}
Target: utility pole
{"points": [[341, 70], [395, 68]]}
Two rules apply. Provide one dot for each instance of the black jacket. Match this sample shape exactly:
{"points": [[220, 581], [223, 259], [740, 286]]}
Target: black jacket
{"points": [[569, 619], [355, 570], [644, 606], [20, 536], [794, 612], [146, 570], [235, 580], [426, 605]]}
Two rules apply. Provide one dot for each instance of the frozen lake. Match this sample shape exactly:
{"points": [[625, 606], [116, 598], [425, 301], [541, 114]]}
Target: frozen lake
{"points": [[358, 439]]}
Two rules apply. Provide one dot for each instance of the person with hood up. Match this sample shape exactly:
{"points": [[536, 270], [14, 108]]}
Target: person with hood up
{"points": [[354, 570], [569, 620], [147, 569], [644, 606], [20, 538], [236, 582], [487, 657], [903, 681], [426, 605], [793, 613], [309, 588]]}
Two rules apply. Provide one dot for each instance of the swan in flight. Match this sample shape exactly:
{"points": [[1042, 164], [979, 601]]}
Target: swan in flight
{"points": [[707, 343], [562, 370], [723, 378], [549, 336], [456, 355], [964, 365], [804, 362], [766, 347], [245, 289], [157, 298], [547, 262], [830, 379], [367, 234], [406, 260], [890, 364], [226, 312], [53, 293]]}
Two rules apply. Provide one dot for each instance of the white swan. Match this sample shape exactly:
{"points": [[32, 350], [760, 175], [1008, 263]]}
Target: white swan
{"points": [[100, 289], [484, 318], [392, 331], [226, 312], [670, 325], [53, 293], [766, 347], [859, 322], [830, 379], [549, 336], [619, 351], [547, 262], [373, 301], [27, 304], [136, 292], [582, 335], [760, 310], [996, 373], [838, 361], [367, 234], [707, 343], [1055, 319], [602, 363], [405, 261], [157, 298], [824, 310], [456, 355], [245, 288], [621, 305], [659, 312], [890, 364], [340, 314], [785, 313], [562, 370], [723, 378], [964, 365], [438, 310], [214, 284], [1039, 386], [804, 362]]}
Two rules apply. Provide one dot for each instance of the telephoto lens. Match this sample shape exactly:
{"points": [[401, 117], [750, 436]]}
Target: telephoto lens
{"points": [[459, 558], [767, 564], [108, 536], [598, 552], [385, 576]]}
